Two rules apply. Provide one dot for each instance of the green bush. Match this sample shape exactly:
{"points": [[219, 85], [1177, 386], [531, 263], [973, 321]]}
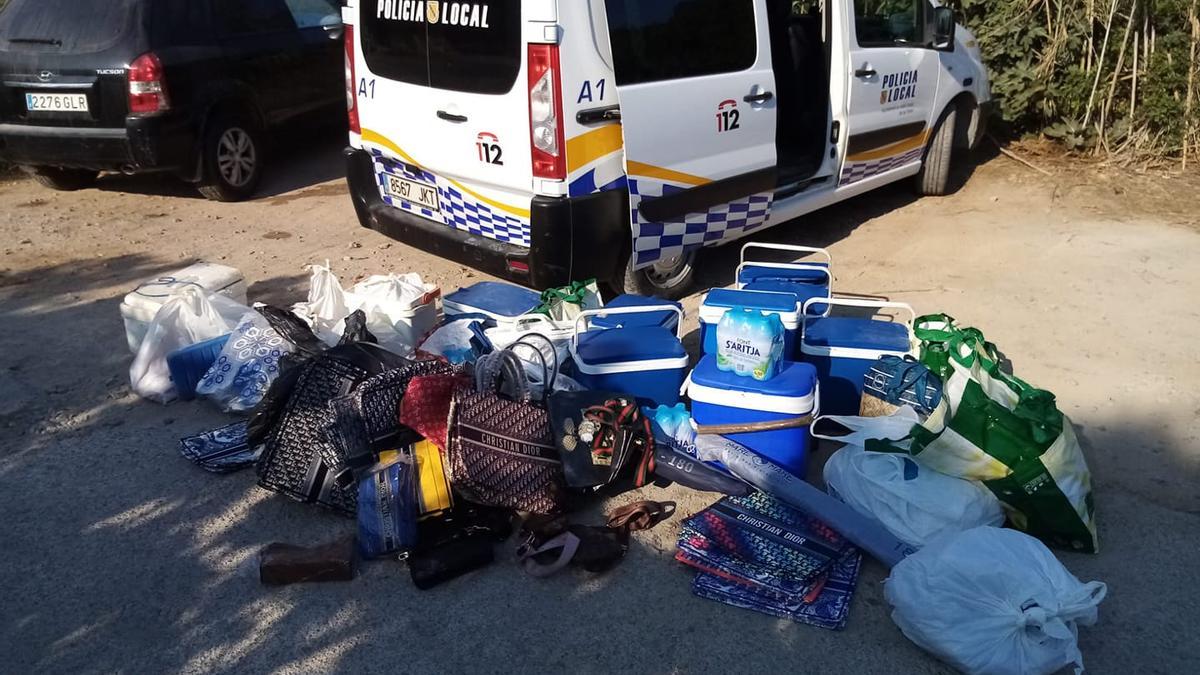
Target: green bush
{"points": [[1053, 74]]}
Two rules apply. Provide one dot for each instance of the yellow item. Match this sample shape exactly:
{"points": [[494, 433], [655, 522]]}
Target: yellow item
{"points": [[433, 488]]}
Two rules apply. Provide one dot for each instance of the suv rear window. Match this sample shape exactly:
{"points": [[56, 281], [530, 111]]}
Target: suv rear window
{"points": [[65, 25], [472, 47]]}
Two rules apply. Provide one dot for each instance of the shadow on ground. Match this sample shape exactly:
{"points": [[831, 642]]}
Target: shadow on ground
{"points": [[300, 155], [823, 228]]}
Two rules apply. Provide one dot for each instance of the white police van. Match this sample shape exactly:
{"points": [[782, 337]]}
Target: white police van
{"points": [[550, 140]]}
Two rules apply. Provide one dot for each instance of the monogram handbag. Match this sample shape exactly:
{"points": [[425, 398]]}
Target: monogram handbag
{"points": [[500, 449]]}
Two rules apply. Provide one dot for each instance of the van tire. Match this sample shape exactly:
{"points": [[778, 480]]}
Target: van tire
{"points": [[659, 282], [64, 180], [934, 178], [231, 137]]}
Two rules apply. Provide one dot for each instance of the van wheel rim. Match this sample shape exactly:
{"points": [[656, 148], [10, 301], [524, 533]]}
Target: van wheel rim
{"points": [[236, 157], [670, 272]]}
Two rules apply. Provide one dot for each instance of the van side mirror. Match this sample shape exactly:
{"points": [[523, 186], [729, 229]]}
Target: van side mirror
{"points": [[944, 27]]}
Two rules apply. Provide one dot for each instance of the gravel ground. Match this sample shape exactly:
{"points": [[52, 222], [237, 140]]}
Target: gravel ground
{"points": [[122, 557]]}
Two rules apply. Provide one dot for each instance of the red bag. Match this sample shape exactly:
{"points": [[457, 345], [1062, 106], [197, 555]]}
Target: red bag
{"points": [[426, 405]]}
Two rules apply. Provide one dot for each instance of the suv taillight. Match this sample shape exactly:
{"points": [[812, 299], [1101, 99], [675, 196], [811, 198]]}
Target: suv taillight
{"points": [[545, 113], [351, 83], [147, 85]]}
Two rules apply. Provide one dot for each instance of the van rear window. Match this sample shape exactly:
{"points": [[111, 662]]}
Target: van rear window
{"points": [[65, 26], [472, 47]]}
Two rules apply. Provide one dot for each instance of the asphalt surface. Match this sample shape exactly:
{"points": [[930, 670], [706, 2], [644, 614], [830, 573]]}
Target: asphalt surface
{"points": [[119, 556]]}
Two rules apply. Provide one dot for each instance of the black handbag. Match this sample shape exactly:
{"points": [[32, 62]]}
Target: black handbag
{"points": [[461, 541], [500, 449], [366, 421], [299, 460], [598, 435]]}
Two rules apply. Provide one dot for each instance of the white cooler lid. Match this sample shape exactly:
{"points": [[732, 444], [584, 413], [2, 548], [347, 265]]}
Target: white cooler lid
{"points": [[209, 276], [723, 299]]}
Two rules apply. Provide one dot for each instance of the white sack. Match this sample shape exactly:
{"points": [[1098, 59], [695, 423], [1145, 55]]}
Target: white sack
{"points": [[993, 601], [915, 503], [327, 305], [189, 316]]}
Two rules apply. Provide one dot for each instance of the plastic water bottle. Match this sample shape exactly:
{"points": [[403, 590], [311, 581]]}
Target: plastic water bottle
{"points": [[750, 343]]}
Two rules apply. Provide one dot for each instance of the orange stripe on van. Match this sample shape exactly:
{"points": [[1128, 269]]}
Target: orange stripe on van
{"points": [[369, 136], [899, 147], [591, 146], [651, 171]]}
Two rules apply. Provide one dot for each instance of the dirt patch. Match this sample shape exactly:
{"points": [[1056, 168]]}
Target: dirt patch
{"points": [[1104, 186]]}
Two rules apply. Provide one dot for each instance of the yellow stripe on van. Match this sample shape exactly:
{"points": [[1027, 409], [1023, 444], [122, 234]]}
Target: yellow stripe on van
{"points": [[650, 171], [369, 136], [899, 147], [587, 148]]}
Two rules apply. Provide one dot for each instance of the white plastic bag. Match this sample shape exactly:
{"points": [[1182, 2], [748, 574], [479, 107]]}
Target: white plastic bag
{"points": [[993, 601], [451, 340], [190, 316], [327, 304], [895, 427], [247, 365], [915, 503], [399, 308]]}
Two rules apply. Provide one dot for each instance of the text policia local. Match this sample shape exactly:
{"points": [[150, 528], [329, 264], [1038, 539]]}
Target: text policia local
{"points": [[470, 14]]}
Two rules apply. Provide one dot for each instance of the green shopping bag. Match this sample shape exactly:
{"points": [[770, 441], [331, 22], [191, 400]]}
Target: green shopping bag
{"points": [[565, 303], [999, 430]]}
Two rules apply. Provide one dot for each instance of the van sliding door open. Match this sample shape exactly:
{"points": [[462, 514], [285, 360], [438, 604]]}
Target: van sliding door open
{"points": [[698, 113]]}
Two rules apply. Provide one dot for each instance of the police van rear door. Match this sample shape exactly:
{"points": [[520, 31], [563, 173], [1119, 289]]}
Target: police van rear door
{"points": [[443, 96], [695, 85]]}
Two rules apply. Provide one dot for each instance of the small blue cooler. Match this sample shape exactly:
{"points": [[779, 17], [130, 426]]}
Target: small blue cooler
{"points": [[188, 365], [720, 397], [806, 280], [843, 348], [504, 303], [667, 317], [648, 362], [720, 300]]}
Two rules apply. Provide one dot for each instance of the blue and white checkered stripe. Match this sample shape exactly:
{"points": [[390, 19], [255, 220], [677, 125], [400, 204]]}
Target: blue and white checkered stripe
{"points": [[654, 241], [853, 173], [459, 211]]}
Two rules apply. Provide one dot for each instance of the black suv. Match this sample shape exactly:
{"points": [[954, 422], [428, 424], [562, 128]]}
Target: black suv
{"points": [[181, 86]]}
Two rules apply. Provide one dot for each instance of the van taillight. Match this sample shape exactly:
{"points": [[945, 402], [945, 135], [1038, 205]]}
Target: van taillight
{"points": [[147, 85], [545, 113], [351, 84]]}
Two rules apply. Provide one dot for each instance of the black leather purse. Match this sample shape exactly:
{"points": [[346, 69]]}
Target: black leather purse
{"points": [[460, 542]]}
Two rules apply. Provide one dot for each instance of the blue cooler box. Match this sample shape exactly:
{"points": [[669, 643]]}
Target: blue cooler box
{"points": [[806, 280], [188, 365], [720, 397], [666, 318], [504, 303], [720, 300], [843, 348], [647, 362]]}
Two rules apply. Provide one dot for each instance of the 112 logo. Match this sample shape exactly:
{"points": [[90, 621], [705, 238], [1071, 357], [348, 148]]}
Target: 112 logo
{"points": [[728, 116], [488, 147]]}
